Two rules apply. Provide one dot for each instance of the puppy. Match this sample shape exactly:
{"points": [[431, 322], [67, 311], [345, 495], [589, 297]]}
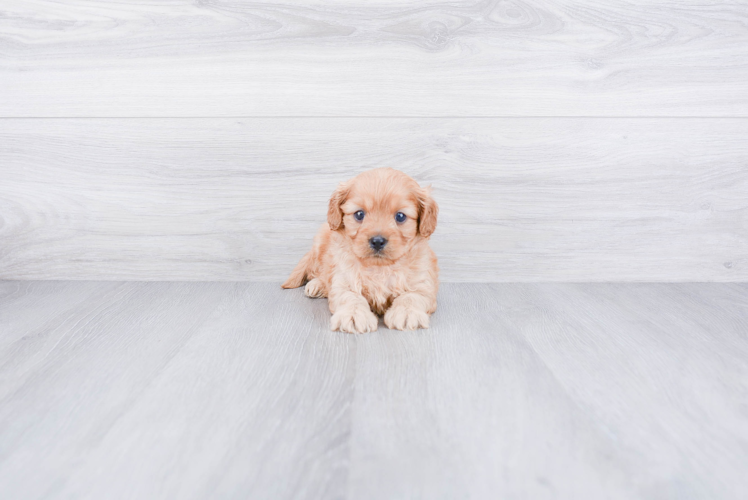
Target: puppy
{"points": [[373, 255]]}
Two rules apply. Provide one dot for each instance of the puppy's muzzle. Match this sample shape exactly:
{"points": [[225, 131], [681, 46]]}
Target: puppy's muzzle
{"points": [[377, 243]]}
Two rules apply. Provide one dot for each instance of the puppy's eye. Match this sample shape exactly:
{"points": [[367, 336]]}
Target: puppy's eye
{"points": [[359, 216], [400, 217]]}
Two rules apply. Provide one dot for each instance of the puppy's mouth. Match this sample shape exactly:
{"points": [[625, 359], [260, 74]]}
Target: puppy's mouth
{"points": [[379, 256]]}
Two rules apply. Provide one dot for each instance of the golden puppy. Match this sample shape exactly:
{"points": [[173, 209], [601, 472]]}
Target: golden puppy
{"points": [[373, 254]]}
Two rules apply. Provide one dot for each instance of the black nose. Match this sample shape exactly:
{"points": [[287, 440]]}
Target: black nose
{"points": [[377, 243]]}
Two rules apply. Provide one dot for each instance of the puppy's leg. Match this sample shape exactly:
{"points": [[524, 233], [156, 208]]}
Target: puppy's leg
{"points": [[315, 289], [351, 313], [410, 311], [300, 273]]}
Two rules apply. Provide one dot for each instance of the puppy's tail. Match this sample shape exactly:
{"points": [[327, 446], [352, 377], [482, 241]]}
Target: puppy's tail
{"points": [[300, 273]]}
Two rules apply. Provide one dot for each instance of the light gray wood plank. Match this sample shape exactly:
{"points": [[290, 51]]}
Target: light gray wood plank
{"points": [[407, 58], [669, 381], [58, 297], [467, 409], [66, 384], [535, 199], [180, 391], [558, 391], [204, 390]]}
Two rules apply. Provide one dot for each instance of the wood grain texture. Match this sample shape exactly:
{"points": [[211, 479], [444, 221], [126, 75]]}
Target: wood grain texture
{"points": [[564, 199], [159, 390], [206, 390], [407, 58]]}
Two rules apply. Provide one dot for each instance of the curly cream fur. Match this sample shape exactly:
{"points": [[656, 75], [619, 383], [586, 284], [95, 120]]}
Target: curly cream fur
{"points": [[399, 282]]}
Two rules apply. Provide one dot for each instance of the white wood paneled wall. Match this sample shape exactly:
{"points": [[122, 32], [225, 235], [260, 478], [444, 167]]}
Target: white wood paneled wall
{"points": [[386, 58], [566, 141]]}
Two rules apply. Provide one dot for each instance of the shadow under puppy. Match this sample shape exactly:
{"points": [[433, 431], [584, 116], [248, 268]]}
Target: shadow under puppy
{"points": [[373, 254]]}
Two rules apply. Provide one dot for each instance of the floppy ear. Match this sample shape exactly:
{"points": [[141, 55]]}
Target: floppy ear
{"points": [[334, 213], [427, 212]]}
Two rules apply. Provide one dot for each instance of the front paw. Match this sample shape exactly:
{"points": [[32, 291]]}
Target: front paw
{"points": [[399, 317], [354, 319]]}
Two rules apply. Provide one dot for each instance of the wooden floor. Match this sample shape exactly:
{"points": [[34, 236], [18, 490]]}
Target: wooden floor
{"points": [[190, 148], [215, 390]]}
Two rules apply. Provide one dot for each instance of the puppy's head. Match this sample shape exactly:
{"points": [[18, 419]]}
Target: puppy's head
{"points": [[383, 212]]}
